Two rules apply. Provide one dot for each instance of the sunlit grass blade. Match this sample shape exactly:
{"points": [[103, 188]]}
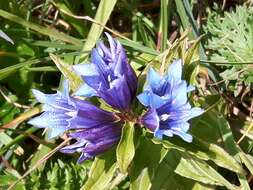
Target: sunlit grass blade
{"points": [[102, 15], [40, 29]]}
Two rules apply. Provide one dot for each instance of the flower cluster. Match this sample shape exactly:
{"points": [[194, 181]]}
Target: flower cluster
{"points": [[110, 77], [168, 108]]}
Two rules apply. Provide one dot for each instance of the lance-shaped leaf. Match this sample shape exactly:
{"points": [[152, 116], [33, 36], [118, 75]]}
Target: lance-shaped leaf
{"points": [[231, 146], [148, 157], [53, 33], [126, 149], [102, 172], [204, 151], [74, 80], [198, 170], [103, 13]]}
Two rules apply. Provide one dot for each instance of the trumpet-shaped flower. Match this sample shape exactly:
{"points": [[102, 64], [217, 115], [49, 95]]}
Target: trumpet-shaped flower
{"points": [[166, 98], [62, 112], [109, 75], [94, 141], [95, 130]]}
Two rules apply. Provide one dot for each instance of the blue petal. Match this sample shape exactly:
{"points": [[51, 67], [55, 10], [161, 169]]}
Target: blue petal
{"points": [[74, 147], [58, 101], [168, 133], [196, 112], [153, 78], [190, 88], [55, 132], [94, 134], [89, 116], [101, 146], [50, 120], [159, 133], [149, 99], [175, 70], [183, 126], [150, 119], [103, 69], [86, 69], [120, 64], [118, 96], [185, 136], [112, 45], [86, 91], [103, 50], [179, 94], [83, 157], [90, 75], [65, 88]]}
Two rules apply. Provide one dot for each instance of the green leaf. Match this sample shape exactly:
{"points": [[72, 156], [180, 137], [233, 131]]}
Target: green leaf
{"points": [[101, 172], [143, 181], [5, 72], [198, 170], [146, 160], [231, 146], [204, 151], [247, 160], [103, 13], [164, 20], [75, 80], [42, 30], [126, 149], [138, 46]]}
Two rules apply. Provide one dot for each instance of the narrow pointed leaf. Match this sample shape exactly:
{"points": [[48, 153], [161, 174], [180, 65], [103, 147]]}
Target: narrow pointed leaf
{"points": [[198, 170], [101, 172], [103, 13], [142, 182], [125, 149], [231, 147], [75, 80], [42, 30], [204, 151]]}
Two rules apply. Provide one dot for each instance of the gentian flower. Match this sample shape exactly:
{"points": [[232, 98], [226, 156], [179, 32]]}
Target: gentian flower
{"points": [[57, 111], [168, 108], [94, 141], [95, 130], [109, 76]]}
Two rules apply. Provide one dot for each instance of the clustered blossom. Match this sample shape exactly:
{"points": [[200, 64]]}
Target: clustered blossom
{"points": [[168, 107], [95, 130], [109, 76]]}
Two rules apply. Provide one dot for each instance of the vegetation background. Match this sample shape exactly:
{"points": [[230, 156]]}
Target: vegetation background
{"points": [[215, 41]]}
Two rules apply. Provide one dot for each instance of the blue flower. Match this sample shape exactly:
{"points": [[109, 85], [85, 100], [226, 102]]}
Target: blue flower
{"points": [[109, 76], [166, 98], [95, 130], [62, 112], [94, 141]]}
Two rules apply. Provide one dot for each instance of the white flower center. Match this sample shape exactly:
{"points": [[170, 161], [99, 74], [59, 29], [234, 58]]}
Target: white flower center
{"points": [[164, 117]]}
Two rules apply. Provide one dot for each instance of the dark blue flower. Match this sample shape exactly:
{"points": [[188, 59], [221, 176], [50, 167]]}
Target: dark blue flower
{"points": [[166, 98], [109, 76], [95, 130], [94, 141]]}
